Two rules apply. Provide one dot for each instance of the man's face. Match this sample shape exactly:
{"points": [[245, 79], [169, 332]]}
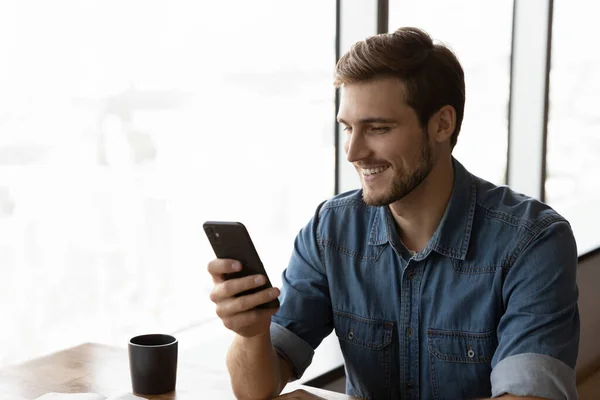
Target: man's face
{"points": [[384, 140]]}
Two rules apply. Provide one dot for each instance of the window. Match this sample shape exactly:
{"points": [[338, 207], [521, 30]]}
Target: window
{"points": [[572, 165], [124, 125], [480, 35]]}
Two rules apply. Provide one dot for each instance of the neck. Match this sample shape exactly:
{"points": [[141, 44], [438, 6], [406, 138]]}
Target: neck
{"points": [[419, 213]]}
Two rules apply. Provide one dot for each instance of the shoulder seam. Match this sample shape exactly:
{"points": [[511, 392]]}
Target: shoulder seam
{"points": [[503, 217], [336, 203], [530, 225], [536, 230]]}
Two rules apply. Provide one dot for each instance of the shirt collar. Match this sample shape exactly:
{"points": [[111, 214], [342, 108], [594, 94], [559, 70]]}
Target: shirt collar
{"points": [[381, 228], [453, 234]]}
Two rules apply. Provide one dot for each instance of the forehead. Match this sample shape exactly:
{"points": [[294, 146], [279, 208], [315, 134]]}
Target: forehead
{"points": [[382, 96]]}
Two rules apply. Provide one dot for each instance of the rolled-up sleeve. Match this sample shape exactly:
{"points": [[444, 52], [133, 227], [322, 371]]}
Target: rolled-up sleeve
{"points": [[524, 374], [538, 335], [305, 315]]}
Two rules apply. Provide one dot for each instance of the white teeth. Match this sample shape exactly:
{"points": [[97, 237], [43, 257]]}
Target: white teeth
{"points": [[372, 171]]}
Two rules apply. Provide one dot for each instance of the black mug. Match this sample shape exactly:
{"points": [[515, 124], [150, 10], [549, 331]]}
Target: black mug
{"points": [[153, 363]]}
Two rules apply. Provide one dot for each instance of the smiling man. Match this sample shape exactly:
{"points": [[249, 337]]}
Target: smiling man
{"points": [[438, 284]]}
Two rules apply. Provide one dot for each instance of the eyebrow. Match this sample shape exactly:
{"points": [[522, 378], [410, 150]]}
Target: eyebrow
{"points": [[371, 120]]}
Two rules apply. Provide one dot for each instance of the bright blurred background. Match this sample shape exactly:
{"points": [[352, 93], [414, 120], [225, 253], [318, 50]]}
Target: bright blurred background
{"points": [[124, 125]]}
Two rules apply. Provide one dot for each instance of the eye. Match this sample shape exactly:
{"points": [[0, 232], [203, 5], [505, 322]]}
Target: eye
{"points": [[379, 129], [347, 129]]}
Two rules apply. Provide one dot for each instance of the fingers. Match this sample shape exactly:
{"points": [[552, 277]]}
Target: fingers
{"points": [[221, 266], [238, 313], [232, 287], [235, 305]]}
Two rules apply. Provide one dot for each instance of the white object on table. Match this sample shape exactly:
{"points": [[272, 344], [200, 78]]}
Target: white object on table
{"points": [[87, 396]]}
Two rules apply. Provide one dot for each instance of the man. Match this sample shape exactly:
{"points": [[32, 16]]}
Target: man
{"points": [[438, 284]]}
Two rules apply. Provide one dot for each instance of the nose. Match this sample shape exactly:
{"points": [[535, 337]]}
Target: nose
{"points": [[356, 147]]}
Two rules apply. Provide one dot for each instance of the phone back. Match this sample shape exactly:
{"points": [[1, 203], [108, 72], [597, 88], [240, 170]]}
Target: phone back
{"points": [[231, 240]]}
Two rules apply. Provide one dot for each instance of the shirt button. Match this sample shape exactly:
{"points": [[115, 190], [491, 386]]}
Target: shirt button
{"points": [[350, 335], [411, 275], [471, 353], [409, 331]]}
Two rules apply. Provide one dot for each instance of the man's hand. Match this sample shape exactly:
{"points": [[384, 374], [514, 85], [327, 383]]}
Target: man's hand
{"points": [[299, 394], [238, 313]]}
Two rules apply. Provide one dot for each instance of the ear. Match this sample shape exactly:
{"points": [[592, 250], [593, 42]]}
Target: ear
{"points": [[442, 124]]}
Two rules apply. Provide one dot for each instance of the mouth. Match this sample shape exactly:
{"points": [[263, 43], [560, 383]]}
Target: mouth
{"points": [[373, 171]]}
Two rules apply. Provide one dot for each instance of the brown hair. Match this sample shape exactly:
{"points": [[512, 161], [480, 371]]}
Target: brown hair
{"points": [[431, 72]]}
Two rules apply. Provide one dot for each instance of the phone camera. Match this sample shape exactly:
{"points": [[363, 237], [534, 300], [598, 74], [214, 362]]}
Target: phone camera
{"points": [[213, 235]]}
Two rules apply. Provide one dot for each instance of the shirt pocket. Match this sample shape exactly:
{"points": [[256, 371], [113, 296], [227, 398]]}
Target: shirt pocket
{"points": [[461, 363], [366, 346]]}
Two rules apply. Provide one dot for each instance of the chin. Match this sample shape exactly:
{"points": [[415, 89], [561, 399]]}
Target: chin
{"points": [[377, 200]]}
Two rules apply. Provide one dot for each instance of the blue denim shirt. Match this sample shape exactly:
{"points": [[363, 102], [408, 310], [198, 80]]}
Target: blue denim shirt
{"points": [[488, 307]]}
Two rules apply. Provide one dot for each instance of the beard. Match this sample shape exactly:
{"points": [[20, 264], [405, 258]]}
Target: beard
{"points": [[403, 181]]}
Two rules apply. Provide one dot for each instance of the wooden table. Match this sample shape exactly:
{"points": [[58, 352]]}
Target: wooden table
{"points": [[105, 370]]}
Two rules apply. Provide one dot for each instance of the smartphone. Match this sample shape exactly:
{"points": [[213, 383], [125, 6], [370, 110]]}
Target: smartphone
{"points": [[232, 240]]}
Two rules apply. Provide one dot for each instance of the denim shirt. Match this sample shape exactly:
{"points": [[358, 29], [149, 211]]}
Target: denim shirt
{"points": [[488, 307]]}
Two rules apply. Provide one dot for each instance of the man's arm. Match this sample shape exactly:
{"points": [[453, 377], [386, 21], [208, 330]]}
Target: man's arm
{"points": [[305, 316], [257, 372], [274, 351], [255, 369], [538, 333]]}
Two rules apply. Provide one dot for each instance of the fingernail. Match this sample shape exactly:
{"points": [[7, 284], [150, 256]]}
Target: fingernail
{"points": [[259, 280], [273, 293], [236, 266]]}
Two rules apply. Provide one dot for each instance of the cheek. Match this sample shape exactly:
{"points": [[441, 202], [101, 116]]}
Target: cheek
{"points": [[391, 150], [399, 154]]}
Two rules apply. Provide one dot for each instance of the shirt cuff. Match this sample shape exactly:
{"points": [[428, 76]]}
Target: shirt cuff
{"points": [[532, 374], [291, 348]]}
